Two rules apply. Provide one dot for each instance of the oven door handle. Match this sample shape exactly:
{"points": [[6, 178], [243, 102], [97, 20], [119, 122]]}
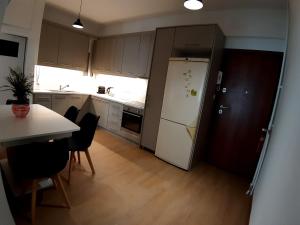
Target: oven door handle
{"points": [[132, 114]]}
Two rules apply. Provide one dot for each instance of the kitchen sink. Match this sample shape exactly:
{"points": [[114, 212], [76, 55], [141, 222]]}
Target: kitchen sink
{"points": [[62, 91]]}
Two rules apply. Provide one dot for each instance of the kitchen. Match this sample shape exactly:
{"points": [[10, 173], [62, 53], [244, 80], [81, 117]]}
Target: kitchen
{"points": [[122, 75]]}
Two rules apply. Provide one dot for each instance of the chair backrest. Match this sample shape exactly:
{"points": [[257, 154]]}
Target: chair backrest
{"points": [[38, 160], [72, 113], [88, 125], [10, 101]]}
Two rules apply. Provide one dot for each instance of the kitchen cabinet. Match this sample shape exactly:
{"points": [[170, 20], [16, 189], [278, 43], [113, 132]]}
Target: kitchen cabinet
{"points": [[108, 55], [61, 102], [117, 54], [49, 45], [61, 47], [100, 108], [102, 55], [186, 41], [127, 55], [145, 54], [130, 65], [192, 39], [73, 50], [115, 117], [43, 99], [162, 52]]}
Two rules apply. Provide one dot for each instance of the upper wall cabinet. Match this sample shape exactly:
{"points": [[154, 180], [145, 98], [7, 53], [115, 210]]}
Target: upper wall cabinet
{"points": [[128, 55], [192, 40], [49, 44], [73, 50], [108, 54], [130, 65], [61, 47], [145, 53]]}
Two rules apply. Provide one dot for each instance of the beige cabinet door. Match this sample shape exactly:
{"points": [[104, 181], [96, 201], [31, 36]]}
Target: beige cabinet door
{"points": [[193, 38], [156, 86], [73, 50], [49, 44], [117, 54], [43, 99], [101, 108], [98, 56], [131, 54], [61, 102], [145, 54], [103, 55], [115, 117]]}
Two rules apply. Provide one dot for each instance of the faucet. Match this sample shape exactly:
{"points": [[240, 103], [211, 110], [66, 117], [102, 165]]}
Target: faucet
{"points": [[63, 87], [108, 90]]}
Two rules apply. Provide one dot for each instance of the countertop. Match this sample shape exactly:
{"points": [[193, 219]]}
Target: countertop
{"points": [[128, 102]]}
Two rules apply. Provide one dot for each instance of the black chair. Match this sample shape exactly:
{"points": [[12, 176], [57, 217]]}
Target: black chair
{"points": [[10, 101], [36, 161], [81, 140], [72, 113]]}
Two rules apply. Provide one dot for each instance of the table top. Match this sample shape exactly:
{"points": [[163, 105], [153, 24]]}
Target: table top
{"points": [[40, 123]]}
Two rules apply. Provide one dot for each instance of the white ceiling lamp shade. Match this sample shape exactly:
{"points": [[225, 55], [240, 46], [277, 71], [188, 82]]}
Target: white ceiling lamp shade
{"points": [[77, 24], [193, 4]]}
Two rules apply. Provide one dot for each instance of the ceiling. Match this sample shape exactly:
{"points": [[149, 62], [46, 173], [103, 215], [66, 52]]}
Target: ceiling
{"points": [[106, 11]]}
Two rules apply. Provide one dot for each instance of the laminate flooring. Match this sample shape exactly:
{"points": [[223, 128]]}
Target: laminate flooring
{"points": [[133, 187]]}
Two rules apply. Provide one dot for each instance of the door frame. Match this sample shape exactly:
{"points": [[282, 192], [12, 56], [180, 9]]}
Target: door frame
{"points": [[271, 124]]}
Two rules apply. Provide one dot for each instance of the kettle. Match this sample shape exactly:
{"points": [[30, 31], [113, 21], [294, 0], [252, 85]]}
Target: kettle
{"points": [[101, 90]]}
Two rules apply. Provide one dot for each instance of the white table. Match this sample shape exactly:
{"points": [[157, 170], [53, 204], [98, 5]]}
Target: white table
{"points": [[41, 124]]}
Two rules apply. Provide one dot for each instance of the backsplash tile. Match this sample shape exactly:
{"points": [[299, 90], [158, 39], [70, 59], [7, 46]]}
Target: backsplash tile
{"points": [[50, 78]]}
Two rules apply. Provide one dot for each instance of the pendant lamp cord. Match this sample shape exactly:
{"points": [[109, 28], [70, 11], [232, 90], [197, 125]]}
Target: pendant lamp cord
{"points": [[80, 9]]}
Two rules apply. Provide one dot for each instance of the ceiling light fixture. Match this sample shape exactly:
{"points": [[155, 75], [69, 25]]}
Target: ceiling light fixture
{"points": [[193, 4], [77, 24]]}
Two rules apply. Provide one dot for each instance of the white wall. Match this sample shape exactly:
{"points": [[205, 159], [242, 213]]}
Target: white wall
{"points": [[276, 199], [249, 29], [67, 19], [26, 22]]}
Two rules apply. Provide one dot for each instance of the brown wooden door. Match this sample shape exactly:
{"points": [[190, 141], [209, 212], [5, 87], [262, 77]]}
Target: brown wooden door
{"points": [[249, 86]]}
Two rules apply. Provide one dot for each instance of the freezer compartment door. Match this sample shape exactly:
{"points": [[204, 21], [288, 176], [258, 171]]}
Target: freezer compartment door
{"points": [[174, 144], [184, 89]]}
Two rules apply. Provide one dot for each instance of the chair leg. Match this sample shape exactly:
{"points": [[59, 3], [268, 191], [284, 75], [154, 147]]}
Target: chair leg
{"points": [[33, 201], [89, 160], [70, 165], [61, 186], [78, 156]]}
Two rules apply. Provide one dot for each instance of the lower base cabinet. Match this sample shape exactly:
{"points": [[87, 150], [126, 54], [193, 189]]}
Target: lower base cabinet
{"points": [[43, 99], [115, 117], [100, 108], [61, 102], [110, 112]]}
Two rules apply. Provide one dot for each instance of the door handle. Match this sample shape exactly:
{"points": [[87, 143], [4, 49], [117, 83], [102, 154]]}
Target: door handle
{"points": [[224, 107]]}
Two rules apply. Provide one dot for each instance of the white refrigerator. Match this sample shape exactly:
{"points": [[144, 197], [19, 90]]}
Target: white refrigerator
{"points": [[182, 104]]}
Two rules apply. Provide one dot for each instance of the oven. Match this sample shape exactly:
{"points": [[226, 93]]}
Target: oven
{"points": [[132, 119]]}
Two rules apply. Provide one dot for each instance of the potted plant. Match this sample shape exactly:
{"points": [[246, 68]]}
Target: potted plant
{"points": [[21, 87]]}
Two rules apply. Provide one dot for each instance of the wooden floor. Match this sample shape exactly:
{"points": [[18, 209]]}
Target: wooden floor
{"points": [[133, 187]]}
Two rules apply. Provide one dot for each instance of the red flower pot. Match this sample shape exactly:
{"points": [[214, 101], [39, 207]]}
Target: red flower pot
{"points": [[20, 111]]}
